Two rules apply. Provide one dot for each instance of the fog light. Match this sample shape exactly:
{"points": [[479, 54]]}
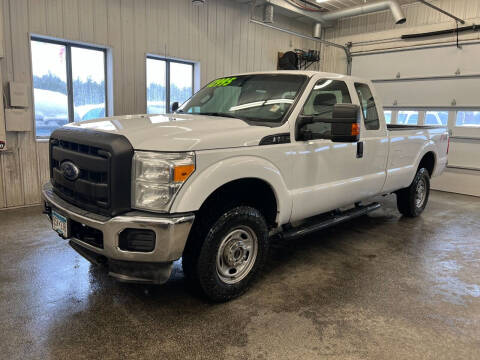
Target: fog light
{"points": [[137, 240]]}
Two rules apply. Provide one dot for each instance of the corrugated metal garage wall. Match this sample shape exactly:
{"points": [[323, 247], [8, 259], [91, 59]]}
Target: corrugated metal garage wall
{"points": [[380, 26], [218, 36]]}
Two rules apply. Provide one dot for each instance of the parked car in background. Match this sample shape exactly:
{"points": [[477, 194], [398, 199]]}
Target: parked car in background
{"points": [[51, 111], [156, 107], [89, 112]]}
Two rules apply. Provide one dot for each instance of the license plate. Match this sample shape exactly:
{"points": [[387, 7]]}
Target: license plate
{"points": [[60, 224]]}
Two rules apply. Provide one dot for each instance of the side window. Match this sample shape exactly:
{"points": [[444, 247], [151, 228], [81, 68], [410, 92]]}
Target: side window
{"points": [[369, 108], [325, 94]]}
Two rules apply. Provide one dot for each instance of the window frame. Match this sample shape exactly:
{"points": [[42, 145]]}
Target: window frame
{"points": [[68, 59], [168, 61]]}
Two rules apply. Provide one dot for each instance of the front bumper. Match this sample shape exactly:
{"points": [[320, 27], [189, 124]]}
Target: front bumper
{"points": [[171, 233]]}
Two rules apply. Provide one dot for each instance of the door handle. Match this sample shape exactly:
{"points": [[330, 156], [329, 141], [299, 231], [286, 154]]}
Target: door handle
{"points": [[359, 149]]}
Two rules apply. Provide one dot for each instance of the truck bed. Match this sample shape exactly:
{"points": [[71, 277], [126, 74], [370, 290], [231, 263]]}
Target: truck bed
{"points": [[407, 145]]}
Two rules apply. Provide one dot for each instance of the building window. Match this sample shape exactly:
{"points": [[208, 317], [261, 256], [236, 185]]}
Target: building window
{"points": [[407, 117], [388, 116], [168, 81], [468, 118], [436, 118], [68, 83]]}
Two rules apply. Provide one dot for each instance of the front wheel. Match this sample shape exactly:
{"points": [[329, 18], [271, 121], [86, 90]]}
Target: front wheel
{"points": [[224, 259], [412, 201]]}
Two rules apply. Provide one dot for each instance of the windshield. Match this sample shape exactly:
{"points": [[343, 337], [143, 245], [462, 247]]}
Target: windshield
{"points": [[263, 98]]}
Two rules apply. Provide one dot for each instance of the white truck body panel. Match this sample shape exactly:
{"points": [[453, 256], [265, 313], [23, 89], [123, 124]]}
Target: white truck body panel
{"points": [[179, 132], [307, 177], [407, 147]]}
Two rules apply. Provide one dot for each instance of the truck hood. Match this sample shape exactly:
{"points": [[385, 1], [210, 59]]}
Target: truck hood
{"points": [[180, 132]]}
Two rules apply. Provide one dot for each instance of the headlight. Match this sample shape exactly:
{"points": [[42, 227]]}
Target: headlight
{"points": [[157, 177]]}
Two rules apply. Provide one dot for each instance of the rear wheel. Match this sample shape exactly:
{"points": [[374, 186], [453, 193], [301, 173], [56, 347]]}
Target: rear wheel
{"points": [[223, 258], [412, 201]]}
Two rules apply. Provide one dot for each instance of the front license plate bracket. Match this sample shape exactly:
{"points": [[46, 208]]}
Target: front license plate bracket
{"points": [[60, 224]]}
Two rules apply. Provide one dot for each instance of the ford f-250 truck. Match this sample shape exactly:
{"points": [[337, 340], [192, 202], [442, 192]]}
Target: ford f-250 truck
{"points": [[249, 156]]}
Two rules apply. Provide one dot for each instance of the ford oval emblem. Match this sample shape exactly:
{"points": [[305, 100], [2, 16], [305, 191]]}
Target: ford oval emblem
{"points": [[69, 170]]}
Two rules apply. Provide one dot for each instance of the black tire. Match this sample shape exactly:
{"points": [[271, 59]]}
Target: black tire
{"points": [[199, 259], [408, 202]]}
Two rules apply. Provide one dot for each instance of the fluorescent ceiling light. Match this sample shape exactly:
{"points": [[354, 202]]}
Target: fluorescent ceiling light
{"points": [[320, 1]]}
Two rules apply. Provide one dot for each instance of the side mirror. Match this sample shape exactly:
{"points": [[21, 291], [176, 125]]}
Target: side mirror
{"points": [[345, 125], [301, 133], [175, 106]]}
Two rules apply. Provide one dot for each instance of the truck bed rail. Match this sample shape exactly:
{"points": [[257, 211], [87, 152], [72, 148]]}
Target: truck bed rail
{"points": [[397, 127]]}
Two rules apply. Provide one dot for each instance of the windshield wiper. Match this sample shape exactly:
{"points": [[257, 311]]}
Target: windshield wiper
{"points": [[218, 114]]}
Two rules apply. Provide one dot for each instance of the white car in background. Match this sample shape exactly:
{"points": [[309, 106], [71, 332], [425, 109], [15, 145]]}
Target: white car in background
{"points": [[51, 111]]}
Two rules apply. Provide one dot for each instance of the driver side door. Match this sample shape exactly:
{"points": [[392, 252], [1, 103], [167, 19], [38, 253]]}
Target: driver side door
{"points": [[326, 175]]}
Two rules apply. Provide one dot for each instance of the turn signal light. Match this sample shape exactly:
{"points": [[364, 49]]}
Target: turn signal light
{"points": [[355, 129], [182, 172]]}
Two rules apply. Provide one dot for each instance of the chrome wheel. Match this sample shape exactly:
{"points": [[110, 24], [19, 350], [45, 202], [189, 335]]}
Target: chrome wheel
{"points": [[237, 254], [420, 193]]}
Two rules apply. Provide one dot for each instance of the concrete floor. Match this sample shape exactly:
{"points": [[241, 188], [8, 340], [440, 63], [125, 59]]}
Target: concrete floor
{"points": [[378, 287]]}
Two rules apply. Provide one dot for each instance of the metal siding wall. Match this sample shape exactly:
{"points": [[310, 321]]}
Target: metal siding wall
{"points": [[381, 26], [217, 35]]}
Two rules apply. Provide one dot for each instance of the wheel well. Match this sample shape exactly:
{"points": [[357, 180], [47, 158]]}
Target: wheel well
{"points": [[248, 191], [428, 162]]}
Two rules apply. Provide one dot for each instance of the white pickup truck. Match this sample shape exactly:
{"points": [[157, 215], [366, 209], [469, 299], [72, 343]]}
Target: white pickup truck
{"points": [[247, 157]]}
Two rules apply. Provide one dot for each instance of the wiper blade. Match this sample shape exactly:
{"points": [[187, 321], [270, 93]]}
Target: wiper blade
{"points": [[217, 114]]}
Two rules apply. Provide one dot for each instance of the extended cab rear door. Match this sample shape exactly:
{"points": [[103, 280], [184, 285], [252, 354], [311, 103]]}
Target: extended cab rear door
{"points": [[373, 137]]}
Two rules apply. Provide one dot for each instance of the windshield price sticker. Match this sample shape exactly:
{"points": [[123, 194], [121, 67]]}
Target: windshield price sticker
{"points": [[221, 82]]}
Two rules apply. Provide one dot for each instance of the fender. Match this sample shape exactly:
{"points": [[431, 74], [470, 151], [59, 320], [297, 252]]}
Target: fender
{"points": [[429, 146], [402, 177], [205, 181]]}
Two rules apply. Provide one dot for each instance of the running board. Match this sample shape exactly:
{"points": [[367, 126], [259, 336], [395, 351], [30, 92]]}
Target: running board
{"points": [[316, 225]]}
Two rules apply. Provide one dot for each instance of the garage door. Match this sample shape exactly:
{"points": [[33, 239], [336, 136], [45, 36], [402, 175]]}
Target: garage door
{"points": [[436, 85]]}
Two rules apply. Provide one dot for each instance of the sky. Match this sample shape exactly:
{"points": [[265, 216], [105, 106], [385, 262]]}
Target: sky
{"points": [[86, 63], [47, 57], [180, 74]]}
